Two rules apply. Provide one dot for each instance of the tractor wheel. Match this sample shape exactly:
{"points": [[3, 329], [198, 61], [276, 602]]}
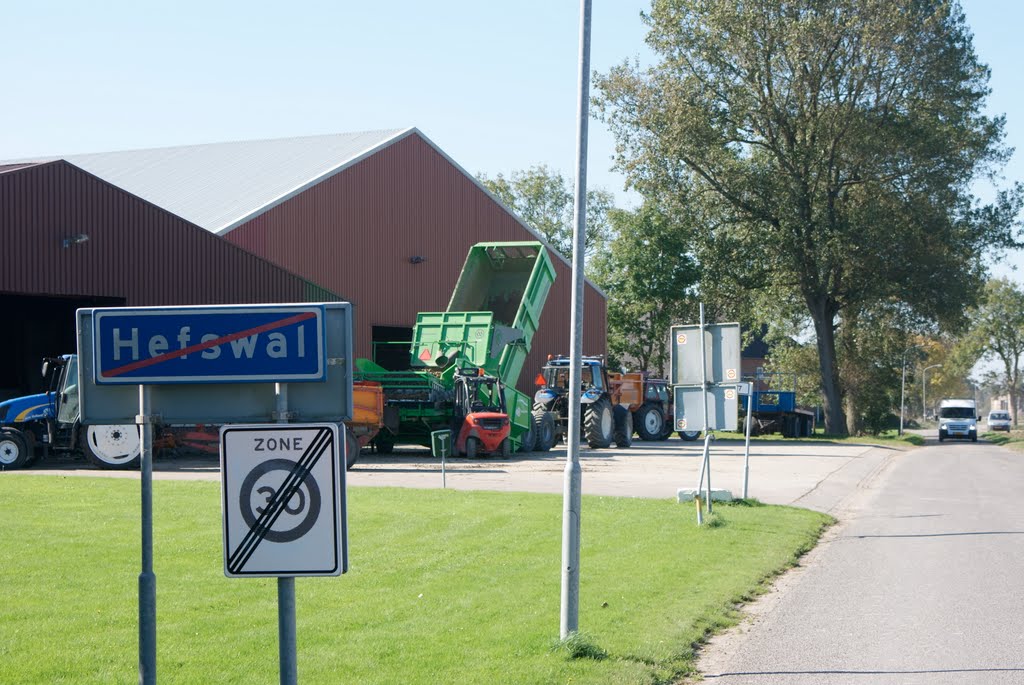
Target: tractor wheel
{"points": [[13, 450], [545, 422], [506, 448], [471, 447], [650, 423], [112, 447], [689, 436], [351, 449], [599, 424], [623, 426], [528, 441]]}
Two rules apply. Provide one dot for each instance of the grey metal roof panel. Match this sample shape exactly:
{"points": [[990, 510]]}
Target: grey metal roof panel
{"points": [[220, 185]]}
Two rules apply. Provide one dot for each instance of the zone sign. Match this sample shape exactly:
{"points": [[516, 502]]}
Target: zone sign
{"points": [[284, 510]]}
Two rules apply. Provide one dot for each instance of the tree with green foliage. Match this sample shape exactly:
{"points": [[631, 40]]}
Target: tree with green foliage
{"points": [[544, 199], [649, 278], [828, 148], [997, 333]]}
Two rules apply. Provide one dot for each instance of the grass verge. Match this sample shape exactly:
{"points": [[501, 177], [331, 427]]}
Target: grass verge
{"points": [[444, 587]]}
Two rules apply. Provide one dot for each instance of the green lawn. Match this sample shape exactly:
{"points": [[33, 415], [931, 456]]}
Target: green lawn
{"points": [[444, 587]]}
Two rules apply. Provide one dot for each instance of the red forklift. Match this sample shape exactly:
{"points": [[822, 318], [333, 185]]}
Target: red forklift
{"points": [[480, 420]]}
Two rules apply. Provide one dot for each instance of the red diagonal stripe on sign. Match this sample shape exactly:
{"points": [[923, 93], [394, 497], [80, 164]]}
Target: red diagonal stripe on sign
{"points": [[199, 347]]}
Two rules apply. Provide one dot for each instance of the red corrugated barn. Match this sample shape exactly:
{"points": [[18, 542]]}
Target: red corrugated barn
{"points": [[382, 218]]}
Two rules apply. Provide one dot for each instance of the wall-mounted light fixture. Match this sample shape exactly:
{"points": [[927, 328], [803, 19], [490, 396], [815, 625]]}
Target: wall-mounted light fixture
{"points": [[75, 240], [417, 259]]}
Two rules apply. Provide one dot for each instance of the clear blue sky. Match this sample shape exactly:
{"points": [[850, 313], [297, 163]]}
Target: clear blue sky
{"points": [[494, 84]]}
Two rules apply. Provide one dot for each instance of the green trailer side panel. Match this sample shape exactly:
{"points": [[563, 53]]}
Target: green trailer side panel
{"points": [[445, 334], [512, 280]]}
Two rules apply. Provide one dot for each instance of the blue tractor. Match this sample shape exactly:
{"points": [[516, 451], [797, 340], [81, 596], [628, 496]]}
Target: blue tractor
{"points": [[35, 425]]}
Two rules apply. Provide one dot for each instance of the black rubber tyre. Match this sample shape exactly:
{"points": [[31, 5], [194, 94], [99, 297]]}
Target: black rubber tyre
{"points": [[974, 437], [112, 447], [623, 426], [471, 447], [383, 446], [351, 449], [506, 448], [689, 436], [528, 441], [545, 422], [13, 450], [942, 435], [599, 424], [649, 422]]}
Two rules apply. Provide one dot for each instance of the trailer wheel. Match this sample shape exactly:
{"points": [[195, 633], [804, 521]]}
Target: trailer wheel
{"points": [[599, 424], [650, 423], [623, 426], [689, 436], [112, 447], [351, 449], [545, 423], [13, 450], [528, 440]]}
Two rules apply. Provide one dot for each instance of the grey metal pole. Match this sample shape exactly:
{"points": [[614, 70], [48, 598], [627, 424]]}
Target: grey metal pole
{"points": [[286, 642], [746, 448], [147, 578], [570, 609], [704, 387], [903, 386]]}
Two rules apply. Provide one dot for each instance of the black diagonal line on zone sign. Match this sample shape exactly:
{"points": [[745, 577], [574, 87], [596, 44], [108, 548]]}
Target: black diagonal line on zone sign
{"points": [[277, 503]]}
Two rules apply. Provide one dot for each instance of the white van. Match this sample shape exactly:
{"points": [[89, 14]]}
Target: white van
{"points": [[999, 420], [958, 418]]}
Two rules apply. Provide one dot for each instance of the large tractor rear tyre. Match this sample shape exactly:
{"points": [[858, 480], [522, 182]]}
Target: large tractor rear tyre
{"points": [[623, 426], [13, 450], [599, 424], [112, 447], [545, 422], [649, 422]]}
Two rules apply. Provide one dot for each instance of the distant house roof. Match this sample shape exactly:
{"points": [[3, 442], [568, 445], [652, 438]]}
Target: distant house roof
{"points": [[221, 185]]}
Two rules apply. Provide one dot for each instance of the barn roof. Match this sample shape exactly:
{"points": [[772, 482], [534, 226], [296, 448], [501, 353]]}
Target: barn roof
{"points": [[221, 185]]}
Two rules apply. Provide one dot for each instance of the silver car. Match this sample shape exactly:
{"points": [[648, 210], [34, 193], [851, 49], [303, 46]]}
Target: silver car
{"points": [[999, 421]]}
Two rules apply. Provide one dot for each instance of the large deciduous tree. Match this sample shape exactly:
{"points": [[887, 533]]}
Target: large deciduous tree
{"points": [[543, 198], [828, 148], [649, 278]]}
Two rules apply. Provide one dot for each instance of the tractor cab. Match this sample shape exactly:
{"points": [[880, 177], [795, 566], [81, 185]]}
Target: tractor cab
{"points": [[480, 417]]}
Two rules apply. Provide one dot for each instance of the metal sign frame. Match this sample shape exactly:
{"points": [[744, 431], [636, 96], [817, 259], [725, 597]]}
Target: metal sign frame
{"points": [[242, 400]]}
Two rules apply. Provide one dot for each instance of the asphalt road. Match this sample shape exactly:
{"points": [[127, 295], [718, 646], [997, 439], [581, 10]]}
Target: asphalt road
{"points": [[921, 582]]}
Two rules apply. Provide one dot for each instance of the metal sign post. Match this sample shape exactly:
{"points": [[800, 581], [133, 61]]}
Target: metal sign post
{"points": [[286, 640], [147, 578], [706, 465], [746, 448]]}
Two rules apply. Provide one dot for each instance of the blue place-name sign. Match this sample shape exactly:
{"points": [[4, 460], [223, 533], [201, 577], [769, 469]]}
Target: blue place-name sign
{"points": [[240, 344]]}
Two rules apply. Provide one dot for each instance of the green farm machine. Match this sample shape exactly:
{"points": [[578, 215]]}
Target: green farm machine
{"points": [[490, 322]]}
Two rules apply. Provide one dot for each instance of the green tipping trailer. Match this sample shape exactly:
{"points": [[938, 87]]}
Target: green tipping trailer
{"points": [[490, 322]]}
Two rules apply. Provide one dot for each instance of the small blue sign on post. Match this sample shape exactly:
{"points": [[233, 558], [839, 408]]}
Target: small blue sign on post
{"points": [[239, 344]]}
